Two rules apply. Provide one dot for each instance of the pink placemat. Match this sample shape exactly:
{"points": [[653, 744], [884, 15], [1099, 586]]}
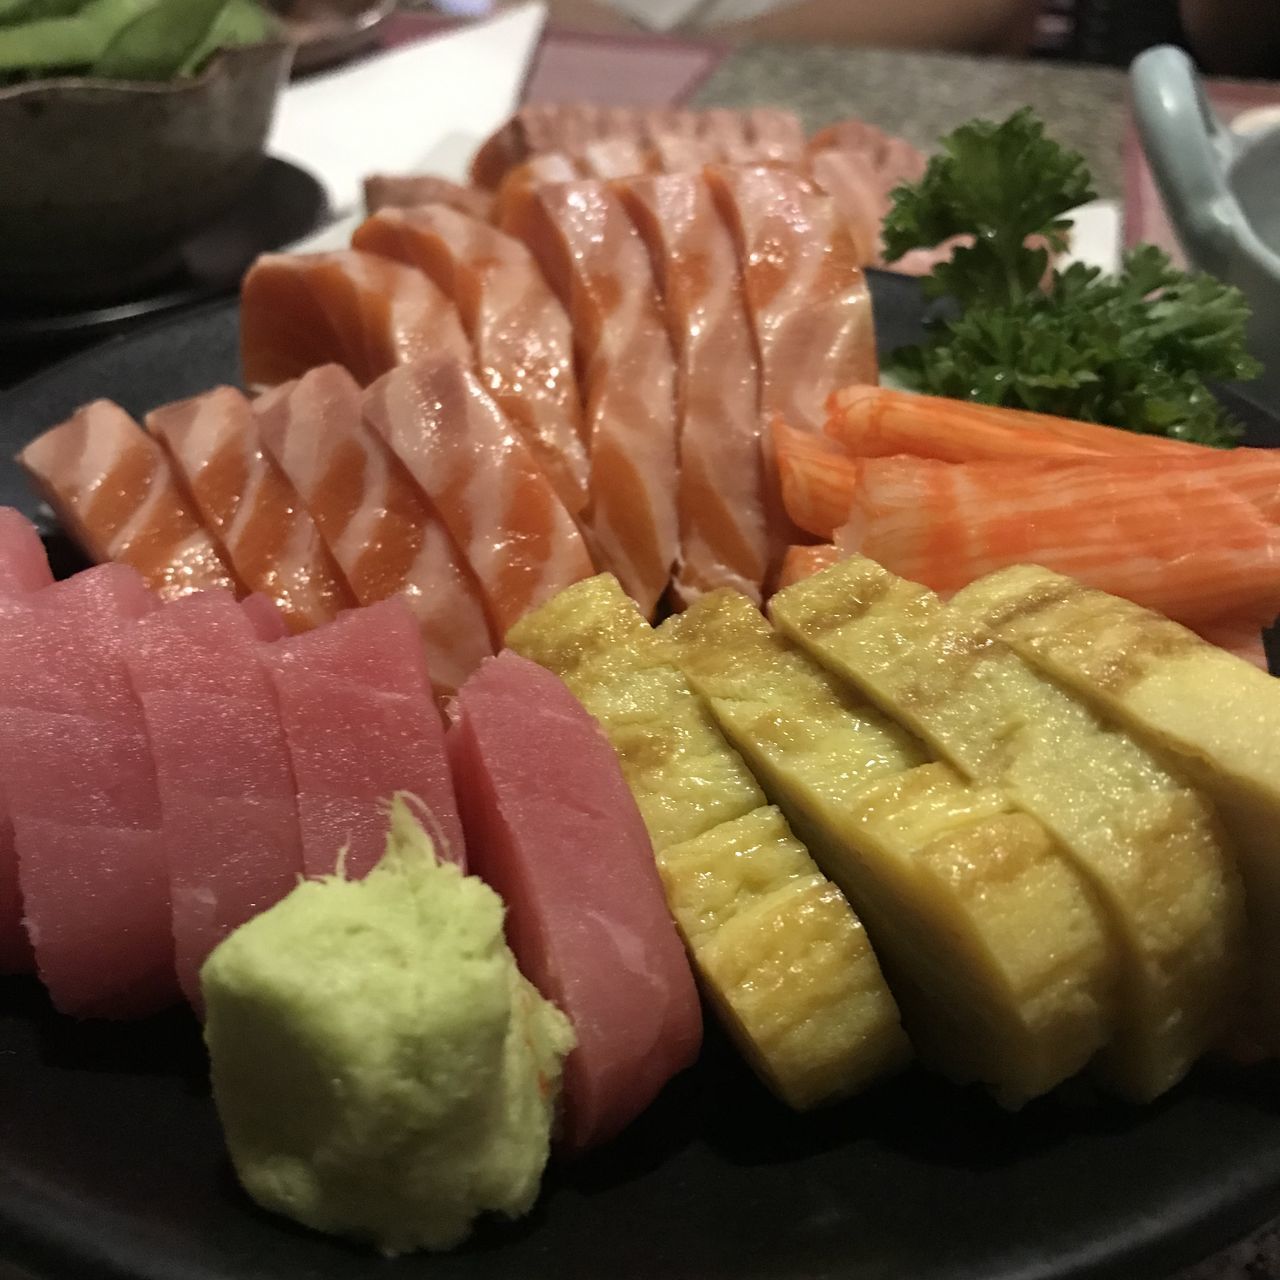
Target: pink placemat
{"points": [[616, 71], [1145, 219]]}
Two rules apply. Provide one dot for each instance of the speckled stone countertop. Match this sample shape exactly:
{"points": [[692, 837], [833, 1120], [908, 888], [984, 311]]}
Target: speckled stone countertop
{"points": [[922, 96]]}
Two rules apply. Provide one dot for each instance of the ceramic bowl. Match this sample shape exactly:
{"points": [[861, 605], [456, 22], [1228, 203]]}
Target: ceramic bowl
{"points": [[103, 180]]}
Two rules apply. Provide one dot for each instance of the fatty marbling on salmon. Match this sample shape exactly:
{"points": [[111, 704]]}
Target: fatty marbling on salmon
{"points": [[595, 261], [519, 331], [805, 290], [502, 511], [723, 535], [385, 535], [261, 526], [364, 312], [114, 490]]}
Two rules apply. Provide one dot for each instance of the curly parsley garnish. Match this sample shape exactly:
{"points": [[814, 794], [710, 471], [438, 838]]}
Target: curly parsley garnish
{"points": [[1133, 350]]}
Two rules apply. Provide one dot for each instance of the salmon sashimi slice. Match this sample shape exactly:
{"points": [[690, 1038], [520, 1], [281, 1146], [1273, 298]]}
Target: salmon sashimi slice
{"points": [[24, 565], [407, 191], [616, 158], [819, 479], [872, 422], [519, 331], [723, 536], [114, 491], [850, 179], [355, 309], [805, 290], [803, 562], [596, 262], [380, 528], [261, 526], [518, 537], [229, 812], [360, 723], [1135, 533], [540, 170], [80, 785], [776, 136]]}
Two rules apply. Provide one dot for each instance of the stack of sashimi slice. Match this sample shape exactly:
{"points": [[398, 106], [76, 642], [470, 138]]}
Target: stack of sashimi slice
{"points": [[943, 492], [171, 769], [586, 389], [320, 497]]}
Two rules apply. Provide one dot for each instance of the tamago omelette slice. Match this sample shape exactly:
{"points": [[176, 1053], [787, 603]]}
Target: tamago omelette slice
{"points": [[1150, 845], [1183, 696], [785, 960], [944, 873]]}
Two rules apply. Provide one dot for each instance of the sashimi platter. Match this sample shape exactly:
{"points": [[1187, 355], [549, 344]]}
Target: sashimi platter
{"points": [[568, 738]]}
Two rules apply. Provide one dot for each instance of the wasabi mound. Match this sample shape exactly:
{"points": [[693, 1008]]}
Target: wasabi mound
{"points": [[381, 1068]]}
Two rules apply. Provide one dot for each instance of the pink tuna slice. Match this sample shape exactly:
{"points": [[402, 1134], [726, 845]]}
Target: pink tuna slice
{"points": [[228, 808], [23, 564], [553, 827], [81, 787], [264, 617], [24, 567], [361, 724]]}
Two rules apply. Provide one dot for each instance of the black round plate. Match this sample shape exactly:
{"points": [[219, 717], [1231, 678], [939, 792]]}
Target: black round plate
{"points": [[282, 204], [111, 1164]]}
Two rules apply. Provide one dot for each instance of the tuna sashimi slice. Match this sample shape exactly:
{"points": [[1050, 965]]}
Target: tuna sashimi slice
{"points": [[520, 332], [500, 507], [355, 309], [596, 262], [115, 493], [252, 509], [723, 536], [80, 784], [24, 566], [229, 812], [360, 722], [383, 532], [552, 826]]}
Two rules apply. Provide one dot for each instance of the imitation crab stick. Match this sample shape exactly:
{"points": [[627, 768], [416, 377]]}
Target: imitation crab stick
{"points": [[1136, 533], [803, 562], [874, 422]]}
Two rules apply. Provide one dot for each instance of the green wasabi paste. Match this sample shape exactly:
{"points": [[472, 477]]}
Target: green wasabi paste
{"points": [[381, 1068]]}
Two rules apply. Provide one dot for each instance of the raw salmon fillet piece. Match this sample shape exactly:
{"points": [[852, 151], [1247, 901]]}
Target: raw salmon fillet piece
{"points": [[805, 290], [114, 492], [381, 529], [229, 813], [408, 191], [81, 787], [596, 262], [355, 309], [724, 540], [552, 826], [521, 542], [361, 725], [519, 331], [262, 528], [24, 567]]}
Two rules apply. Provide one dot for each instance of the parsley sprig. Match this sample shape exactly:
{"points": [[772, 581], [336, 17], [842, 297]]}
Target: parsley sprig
{"points": [[1133, 350]]}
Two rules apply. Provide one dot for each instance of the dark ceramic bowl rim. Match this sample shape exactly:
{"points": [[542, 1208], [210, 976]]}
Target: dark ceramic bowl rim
{"points": [[149, 88]]}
